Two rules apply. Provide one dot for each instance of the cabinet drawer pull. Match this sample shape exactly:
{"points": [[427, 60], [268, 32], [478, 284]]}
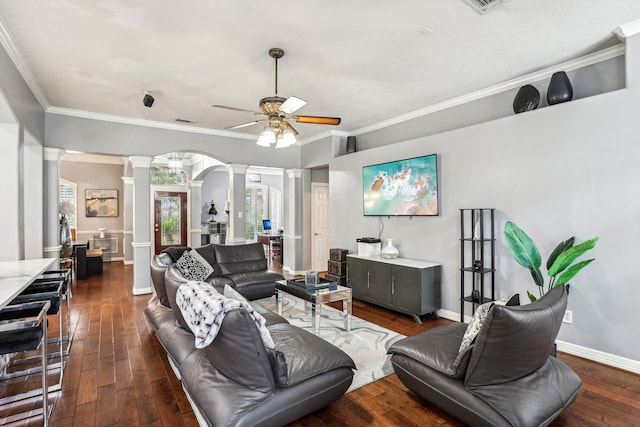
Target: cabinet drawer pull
{"points": [[393, 285], [368, 279]]}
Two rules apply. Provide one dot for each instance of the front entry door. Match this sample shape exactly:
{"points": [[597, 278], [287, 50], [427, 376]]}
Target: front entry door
{"points": [[170, 219]]}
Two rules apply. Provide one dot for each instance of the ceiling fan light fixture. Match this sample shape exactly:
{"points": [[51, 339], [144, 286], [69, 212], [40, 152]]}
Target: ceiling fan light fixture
{"points": [[267, 137], [285, 139]]}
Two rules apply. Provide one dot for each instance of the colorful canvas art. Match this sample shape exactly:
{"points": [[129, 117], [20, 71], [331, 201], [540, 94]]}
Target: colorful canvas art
{"points": [[403, 187]]}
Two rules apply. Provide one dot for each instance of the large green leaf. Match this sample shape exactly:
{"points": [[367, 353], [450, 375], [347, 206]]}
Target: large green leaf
{"points": [[566, 258], [537, 276], [562, 246], [522, 248], [572, 271]]}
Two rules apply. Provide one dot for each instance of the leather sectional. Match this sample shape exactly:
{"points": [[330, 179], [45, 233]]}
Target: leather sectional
{"points": [[236, 380]]}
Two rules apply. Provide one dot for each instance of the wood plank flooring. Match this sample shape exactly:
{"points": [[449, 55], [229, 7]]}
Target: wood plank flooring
{"points": [[118, 374]]}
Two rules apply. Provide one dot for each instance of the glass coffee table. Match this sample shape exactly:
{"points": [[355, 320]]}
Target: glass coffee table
{"points": [[316, 298]]}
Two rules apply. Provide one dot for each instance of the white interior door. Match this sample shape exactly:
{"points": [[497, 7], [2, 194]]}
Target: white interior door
{"points": [[319, 226]]}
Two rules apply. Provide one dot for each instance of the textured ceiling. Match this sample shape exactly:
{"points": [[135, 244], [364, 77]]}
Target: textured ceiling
{"points": [[363, 60]]}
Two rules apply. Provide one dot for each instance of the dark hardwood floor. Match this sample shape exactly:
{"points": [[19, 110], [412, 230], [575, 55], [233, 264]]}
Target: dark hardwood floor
{"points": [[118, 374]]}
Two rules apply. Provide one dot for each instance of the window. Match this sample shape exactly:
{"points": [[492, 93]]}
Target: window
{"points": [[162, 175], [261, 202], [67, 191]]}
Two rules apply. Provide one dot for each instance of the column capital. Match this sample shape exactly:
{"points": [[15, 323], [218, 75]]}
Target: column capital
{"points": [[128, 180], [140, 161], [53, 154], [294, 173], [196, 184], [237, 168]]}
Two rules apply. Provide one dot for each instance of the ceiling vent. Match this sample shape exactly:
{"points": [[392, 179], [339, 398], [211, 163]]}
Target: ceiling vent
{"points": [[484, 6]]}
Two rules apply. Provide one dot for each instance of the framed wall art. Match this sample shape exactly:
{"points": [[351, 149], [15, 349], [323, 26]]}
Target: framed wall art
{"points": [[101, 203]]}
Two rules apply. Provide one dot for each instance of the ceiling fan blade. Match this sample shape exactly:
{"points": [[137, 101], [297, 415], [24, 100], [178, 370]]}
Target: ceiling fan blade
{"points": [[242, 110], [317, 120], [245, 124], [292, 104]]}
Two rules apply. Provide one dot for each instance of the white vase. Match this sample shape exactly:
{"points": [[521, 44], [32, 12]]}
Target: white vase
{"points": [[389, 251]]}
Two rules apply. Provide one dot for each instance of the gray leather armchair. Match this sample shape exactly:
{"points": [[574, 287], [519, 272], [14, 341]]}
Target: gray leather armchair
{"points": [[506, 377]]}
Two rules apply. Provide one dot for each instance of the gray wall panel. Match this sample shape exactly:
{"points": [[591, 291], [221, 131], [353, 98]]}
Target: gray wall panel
{"points": [[570, 169]]}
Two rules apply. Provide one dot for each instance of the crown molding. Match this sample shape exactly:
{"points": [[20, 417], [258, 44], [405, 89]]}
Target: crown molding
{"points": [[21, 65], [147, 123], [627, 30], [323, 135], [574, 64]]}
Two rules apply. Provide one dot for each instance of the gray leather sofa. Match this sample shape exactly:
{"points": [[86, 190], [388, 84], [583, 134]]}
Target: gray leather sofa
{"points": [[243, 267], [505, 378], [236, 381]]}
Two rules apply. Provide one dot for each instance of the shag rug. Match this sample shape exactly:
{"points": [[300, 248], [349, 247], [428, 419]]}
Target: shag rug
{"points": [[366, 343]]}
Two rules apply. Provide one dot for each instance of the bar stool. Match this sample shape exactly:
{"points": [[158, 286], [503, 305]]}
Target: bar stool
{"points": [[23, 327], [65, 275], [37, 292]]}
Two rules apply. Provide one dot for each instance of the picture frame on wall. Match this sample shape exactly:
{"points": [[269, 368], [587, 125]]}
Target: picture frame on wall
{"points": [[101, 203]]}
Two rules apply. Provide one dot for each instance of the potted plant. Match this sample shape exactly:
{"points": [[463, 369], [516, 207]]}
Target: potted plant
{"points": [[560, 264]]}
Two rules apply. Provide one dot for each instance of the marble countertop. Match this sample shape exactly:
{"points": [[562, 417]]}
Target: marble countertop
{"points": [[17, 275]]}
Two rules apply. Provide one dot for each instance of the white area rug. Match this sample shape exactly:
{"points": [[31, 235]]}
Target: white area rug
{"points": [[366, 343]]}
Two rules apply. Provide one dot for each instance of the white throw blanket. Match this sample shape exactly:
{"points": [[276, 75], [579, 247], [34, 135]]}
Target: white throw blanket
{"points": [[204, 309]]}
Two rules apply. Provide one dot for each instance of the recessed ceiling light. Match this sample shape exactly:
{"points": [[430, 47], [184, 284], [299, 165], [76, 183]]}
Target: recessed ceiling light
{"points": [[425, 30], [184, 121]]}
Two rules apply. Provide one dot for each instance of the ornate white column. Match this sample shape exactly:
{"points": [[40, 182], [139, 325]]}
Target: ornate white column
{"points": [[51, 194], [236, 227], [195, 188], [128, 220], [142, 212]]}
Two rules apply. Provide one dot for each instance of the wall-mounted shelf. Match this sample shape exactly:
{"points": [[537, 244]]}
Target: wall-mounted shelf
{"points": [[477, 257]]}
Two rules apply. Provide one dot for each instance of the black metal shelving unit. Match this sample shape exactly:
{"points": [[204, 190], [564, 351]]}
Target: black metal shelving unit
{"points": [[477, 237]]}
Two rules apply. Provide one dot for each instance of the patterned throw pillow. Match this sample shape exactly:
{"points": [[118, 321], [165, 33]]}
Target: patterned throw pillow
{"points": [[478, 320], [193, 266]]}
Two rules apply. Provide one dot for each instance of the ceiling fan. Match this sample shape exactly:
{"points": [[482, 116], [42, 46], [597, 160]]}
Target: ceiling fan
{"points": [[278, 113]]}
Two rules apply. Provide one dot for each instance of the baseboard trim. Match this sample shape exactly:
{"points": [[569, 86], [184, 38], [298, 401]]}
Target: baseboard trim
{"points": [[452, 315], [600, 357], [141, 291], [573, 349]]}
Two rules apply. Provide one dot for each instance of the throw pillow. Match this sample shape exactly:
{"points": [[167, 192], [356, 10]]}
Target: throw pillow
{"points": [[193, 266], [479, 317]]}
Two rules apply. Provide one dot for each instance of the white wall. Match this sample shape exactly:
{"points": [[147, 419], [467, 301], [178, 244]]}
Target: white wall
{"points": [[569, 169], [33, 206], [214, 187], [11, 247]]}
